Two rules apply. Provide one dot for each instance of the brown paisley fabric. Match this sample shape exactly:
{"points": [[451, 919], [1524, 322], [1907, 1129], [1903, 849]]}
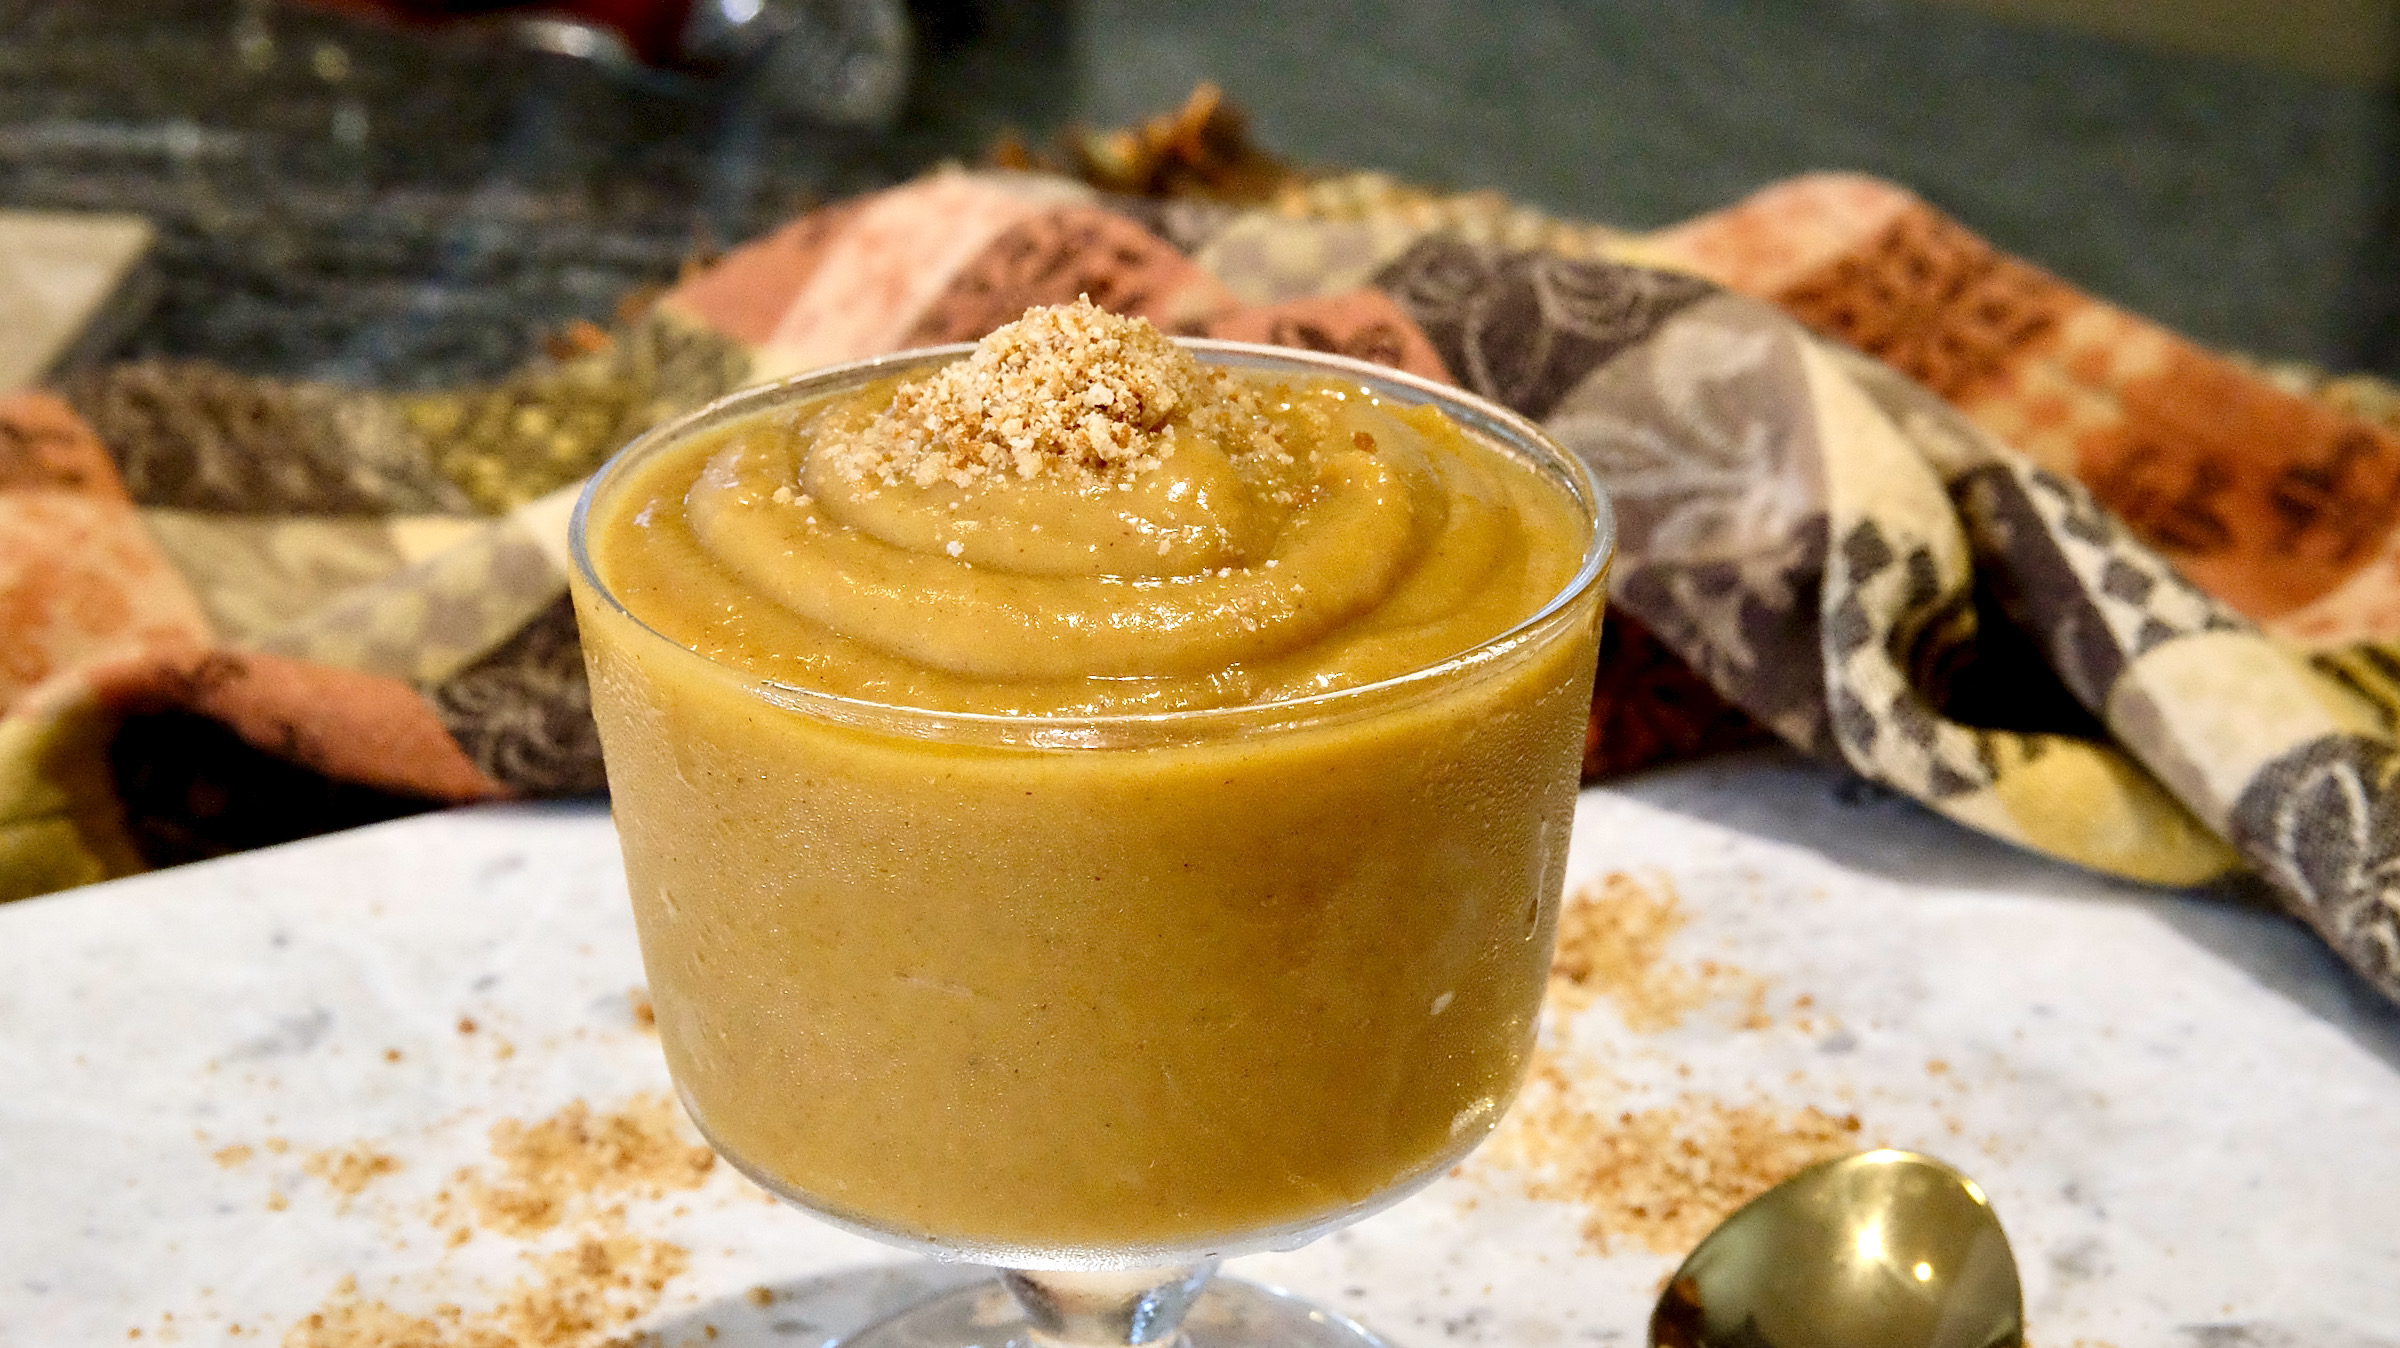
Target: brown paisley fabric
{"points": [[201, 438], [524, 712], [1524, 328]]}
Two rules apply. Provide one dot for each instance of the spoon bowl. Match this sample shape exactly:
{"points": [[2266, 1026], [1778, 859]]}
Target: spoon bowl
{"points": [[1884, 1249]]}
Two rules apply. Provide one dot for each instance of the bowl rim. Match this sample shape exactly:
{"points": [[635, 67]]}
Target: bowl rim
{"points": [[1488, 421]]}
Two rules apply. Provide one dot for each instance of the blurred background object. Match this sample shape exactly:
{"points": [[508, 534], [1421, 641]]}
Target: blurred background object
{"points": [[844, 61], [71, 286], [344, 196]]}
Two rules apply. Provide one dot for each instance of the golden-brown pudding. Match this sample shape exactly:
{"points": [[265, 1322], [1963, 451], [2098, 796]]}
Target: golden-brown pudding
{"points": [[1074, 800]]}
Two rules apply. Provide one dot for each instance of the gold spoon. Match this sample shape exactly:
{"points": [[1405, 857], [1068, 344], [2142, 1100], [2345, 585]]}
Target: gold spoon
{"points": [[1884, 1249]]}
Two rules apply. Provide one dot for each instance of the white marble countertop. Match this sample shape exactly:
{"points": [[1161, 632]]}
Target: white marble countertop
{"points": [[2186, 1114]]}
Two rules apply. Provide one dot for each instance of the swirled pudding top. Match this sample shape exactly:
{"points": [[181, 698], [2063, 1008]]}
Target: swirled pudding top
{"points": [[1079, 518]]}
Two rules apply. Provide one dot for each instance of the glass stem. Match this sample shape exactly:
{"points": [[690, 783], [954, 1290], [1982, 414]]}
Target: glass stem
{"points": [[1107, 1310]]}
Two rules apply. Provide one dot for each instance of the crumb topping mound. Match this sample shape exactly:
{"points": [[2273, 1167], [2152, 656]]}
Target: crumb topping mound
{"points": [[1071, 389]]}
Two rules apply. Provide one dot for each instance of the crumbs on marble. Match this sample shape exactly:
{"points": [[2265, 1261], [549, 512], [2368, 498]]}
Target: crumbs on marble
{"points": [[1662, 1176], [235, 1155], [349, 1170], [1659, 1177], [645, 1013], [1612, 943], [558, 1171], [570, 1298], [547, 1168], [1809, 1021]]}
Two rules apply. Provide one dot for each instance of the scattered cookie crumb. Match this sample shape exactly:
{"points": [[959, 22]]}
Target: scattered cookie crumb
{"points": [[347, 1170], [548, 1166], [551, 1173], [1659, 1178], [577, 1297], [1612, 942], [645, 1014], [237, 1154]]}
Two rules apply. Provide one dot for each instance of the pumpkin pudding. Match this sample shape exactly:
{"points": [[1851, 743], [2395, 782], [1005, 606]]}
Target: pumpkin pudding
{"points": [[1082, 801]]}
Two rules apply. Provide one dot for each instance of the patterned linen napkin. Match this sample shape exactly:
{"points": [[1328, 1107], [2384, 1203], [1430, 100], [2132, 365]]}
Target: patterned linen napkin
{"points": [[1883, 493]]}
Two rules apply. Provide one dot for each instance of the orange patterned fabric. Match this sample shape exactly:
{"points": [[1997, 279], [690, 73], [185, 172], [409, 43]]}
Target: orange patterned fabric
{"points": [[1361, 324], [45, 446], [2269, 501], [1787, 232], [345, 725], [80, 580], [1932, 301], [745, 293], [1058, 255]]}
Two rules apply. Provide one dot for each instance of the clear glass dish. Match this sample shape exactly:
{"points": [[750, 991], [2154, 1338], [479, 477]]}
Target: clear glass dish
{"points": [[1099, 1000]]}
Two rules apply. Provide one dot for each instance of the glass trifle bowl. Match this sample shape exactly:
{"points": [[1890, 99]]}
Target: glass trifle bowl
{"points": [[1095, 977]]}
